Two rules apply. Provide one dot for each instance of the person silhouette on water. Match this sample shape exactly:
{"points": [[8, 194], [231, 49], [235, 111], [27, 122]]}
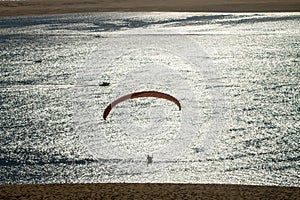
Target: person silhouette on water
{"points": [[149, 159]]}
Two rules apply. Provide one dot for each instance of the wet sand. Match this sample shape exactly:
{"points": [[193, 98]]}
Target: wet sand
{"points": [[146, 191], [41, 7]]}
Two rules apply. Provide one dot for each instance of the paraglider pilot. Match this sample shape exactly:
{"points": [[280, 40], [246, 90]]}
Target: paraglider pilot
{"points": [[149, 159]]}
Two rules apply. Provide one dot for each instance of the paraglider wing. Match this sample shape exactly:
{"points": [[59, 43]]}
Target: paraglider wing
{"points": [[138, 95]]}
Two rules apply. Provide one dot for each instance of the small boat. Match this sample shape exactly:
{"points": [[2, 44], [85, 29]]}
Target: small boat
{"points": [[38, 61], [104, 84]]}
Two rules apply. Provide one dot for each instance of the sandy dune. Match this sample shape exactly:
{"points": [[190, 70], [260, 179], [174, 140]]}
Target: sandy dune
{"points": [[146, 191], [38, 7]]}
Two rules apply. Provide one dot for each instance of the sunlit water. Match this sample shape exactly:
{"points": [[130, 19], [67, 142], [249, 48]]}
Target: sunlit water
{"points": [[236, 76]]}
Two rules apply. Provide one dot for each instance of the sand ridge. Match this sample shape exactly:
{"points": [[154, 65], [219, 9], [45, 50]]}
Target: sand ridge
{"points": [[147, 191], [41, 7]]}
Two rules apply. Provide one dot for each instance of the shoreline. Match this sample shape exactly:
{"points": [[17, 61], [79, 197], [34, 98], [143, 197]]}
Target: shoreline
{"points": [[146, 191], [42, 7]]}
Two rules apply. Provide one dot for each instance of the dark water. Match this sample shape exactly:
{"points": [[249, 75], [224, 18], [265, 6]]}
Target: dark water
{"points": [[236, 75]]}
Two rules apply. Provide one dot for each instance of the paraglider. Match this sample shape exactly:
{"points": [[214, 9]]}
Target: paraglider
{"points": [[149, 159], [138, 95]]}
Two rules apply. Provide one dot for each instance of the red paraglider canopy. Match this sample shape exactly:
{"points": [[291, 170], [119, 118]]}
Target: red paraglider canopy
{"points": [[138, 95]]}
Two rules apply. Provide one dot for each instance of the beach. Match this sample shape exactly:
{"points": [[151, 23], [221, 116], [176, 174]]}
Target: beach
{"points": [[42, 7], [146, 191]]}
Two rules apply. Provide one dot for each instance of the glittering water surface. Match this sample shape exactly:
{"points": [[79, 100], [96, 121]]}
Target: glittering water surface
{"points": [[236, 76]]}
